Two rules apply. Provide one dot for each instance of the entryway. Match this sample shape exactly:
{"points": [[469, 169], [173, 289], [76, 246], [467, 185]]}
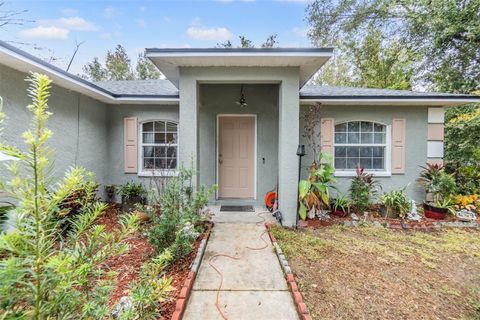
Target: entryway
{"points": [[236, 155]]}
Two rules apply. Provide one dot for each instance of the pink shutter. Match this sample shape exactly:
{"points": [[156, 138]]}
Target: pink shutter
{"points": [[130, 144], [327, 128], [398, 146]]}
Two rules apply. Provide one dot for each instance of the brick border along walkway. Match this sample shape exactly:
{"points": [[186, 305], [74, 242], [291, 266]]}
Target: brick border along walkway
{"points": [[292, 284]]}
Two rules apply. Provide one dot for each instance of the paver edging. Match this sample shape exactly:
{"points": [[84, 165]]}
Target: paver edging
{"points": [[188, 284], [424, 225], [302, 309]]}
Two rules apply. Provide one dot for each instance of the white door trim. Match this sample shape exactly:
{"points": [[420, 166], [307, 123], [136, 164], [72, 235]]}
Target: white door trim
{"points": [[255, 150]]}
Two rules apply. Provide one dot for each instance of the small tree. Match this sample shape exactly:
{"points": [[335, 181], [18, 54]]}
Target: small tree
{"points": [[54, 275]]}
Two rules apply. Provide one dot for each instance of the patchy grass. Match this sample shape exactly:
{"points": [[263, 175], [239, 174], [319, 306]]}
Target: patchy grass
{"points": [[378, 273]]}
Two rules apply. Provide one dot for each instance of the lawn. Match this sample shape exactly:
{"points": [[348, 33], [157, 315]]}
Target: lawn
{"points": [[378, 273]]}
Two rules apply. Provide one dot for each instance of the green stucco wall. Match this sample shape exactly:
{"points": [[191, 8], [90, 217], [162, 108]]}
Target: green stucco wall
{"points": [[262, 99], [78, 124], [116, 113], [416, 141]]}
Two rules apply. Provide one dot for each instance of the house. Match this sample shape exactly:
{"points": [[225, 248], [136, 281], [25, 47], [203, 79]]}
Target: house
{"points": [[235, 115]]}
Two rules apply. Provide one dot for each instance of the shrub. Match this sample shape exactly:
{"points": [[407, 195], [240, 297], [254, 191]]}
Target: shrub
{"points": [[396, 201], [362, 189], [53, 277], [180, 214], [132, 190]]}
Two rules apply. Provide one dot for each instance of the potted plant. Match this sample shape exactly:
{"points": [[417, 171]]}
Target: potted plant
{"points": [[131, 194], [396, 204], [340, 206], [313, 193], [441, 186]]}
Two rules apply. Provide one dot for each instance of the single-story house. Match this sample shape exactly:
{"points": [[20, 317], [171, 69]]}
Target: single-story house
{"points": [[235, 115]]}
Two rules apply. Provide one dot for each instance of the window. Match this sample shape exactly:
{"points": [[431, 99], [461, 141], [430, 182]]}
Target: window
{"points": [[159, 145], [360, 143]]}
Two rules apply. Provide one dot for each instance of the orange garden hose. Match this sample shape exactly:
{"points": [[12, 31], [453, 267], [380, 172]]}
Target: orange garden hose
{"points": [[217, 302]]}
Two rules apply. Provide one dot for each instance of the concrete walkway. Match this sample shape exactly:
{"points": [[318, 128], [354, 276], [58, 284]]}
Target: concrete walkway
{"points": [[253, 287]]}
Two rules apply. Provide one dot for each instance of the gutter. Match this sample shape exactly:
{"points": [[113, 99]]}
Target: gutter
{"points": [[91, 88]]}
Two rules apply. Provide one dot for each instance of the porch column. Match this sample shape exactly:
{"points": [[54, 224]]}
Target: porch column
{"points": [[288, 138], [187, 133]]}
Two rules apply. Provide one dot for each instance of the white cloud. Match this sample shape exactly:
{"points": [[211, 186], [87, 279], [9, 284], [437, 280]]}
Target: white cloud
{"points": [[141, 23], [49, 33], [69, 12], [203, 33], [77, 23]]}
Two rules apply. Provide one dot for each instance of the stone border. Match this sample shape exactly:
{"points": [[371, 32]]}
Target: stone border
{"points": [[188, 284], [425, 225], [292, 284]]}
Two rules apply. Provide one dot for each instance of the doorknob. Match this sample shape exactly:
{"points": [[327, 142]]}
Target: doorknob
{"points": [[220, 161]]}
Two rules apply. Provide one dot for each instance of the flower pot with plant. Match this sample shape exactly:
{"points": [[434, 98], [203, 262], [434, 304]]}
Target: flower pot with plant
{"points": [[340, 206], [441, 186], [396, 204], [313, 193], [132, 193]]}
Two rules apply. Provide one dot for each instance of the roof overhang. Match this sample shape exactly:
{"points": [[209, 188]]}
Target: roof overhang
{"points": [[25, 62], [308, 60], [440, 101]]}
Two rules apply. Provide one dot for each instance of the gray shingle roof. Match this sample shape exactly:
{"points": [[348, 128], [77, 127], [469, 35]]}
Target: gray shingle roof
{"points": [[163, 87], [314, 91], [158, 87]]}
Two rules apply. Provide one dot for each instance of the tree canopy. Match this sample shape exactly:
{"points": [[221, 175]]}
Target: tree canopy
{"points": [[118, 67], [270, 42]]}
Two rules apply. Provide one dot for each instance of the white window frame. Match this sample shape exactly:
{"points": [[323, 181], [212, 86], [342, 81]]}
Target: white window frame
{"points": [[155, 172], [387, 172]]}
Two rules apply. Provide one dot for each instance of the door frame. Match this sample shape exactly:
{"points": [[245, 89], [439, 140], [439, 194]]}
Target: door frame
{"points": [[220, 115]]}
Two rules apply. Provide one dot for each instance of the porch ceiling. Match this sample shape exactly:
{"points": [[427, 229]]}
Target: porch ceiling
{"points": [[309, 60]]}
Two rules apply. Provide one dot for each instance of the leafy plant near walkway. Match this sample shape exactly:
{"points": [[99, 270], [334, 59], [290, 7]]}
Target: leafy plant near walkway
{"points": [[43, 273], [180, 221]]}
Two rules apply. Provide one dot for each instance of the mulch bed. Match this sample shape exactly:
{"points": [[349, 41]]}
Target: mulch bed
{"points": [[128, 265]]}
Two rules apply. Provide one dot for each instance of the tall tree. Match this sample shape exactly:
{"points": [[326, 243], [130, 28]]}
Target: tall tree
{"points": [[118, 67], [95, 71], [145, 68], [118, 64], [270, 42]]}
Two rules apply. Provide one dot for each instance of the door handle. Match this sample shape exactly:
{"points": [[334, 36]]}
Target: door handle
{"points": [[220, 161]]}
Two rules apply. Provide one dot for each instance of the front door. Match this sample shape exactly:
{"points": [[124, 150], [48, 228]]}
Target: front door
{"points": [[236, 157]]}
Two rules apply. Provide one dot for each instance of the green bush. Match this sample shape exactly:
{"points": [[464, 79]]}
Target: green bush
{"points": [[44, 274], [180, 206], [132, 190], [396, 202]]}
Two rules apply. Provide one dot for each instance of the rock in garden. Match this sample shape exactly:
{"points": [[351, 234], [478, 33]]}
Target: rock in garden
{"points": [[125, 304], [466, 215], [354, 217]]}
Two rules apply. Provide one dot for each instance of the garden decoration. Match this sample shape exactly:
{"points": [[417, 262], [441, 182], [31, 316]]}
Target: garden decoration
{"points": [[413, 214]]}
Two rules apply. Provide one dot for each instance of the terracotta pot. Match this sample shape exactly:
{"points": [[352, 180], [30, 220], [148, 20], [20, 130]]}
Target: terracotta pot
{"points": [[433, 212]]}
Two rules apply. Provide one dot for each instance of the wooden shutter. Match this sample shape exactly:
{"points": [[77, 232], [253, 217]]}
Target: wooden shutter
{"points": [[327, 128], [130, 144], [398, 146]]}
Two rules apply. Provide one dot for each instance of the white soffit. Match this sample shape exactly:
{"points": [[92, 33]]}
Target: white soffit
{"points": [[308, 60]]}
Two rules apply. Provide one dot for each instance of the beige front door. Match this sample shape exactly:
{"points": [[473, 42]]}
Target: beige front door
{"points": [[236, 157]]}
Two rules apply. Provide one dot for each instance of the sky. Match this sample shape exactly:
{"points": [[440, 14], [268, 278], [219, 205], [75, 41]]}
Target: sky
{"points": [[53, 27]]}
